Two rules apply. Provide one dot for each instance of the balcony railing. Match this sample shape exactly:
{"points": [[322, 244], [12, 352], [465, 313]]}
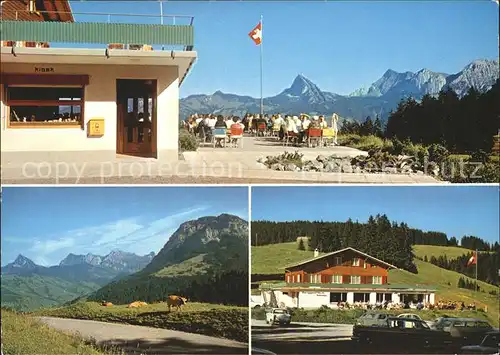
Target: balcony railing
{"points": [[160, 30]]}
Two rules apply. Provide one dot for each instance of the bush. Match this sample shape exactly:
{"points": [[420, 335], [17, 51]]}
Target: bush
{"points": [[187, 141], [348, 139], [397, 146], [286, 158], [438, 153]]}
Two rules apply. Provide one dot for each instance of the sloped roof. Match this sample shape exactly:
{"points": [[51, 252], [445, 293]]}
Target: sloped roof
{"points": [[48, 10], [339, 252]]}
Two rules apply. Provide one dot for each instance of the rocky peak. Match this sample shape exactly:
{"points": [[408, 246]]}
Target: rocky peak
{"points": [[198, 236], [23, 262], [304, 89]]}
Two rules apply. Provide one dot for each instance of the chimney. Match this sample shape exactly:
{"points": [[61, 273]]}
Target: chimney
{"points": [[316, 252]]}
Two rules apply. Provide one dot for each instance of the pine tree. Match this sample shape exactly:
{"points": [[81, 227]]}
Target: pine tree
{"points": [[301, 244]]}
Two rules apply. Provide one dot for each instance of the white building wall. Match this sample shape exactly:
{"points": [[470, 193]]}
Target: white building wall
{"points": [[314, 299], [432, 298], [100, 101], [373, 297], [395, 297], [350, 297]]}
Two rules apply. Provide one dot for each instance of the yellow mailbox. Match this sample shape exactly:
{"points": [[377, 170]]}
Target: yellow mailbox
{"points": [[95, 127]]}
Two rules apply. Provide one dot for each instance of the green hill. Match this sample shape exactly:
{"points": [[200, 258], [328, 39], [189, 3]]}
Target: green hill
{"points": [[437, 250], [271, 259], [26, 293]]}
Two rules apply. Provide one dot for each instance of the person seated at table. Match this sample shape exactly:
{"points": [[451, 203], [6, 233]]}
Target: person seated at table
{"points": [[305, 122], [220, 122], [238, 123], [290, 124], [211, 121], [315, 123], [197, 118], [229, 122], [322, 122]]}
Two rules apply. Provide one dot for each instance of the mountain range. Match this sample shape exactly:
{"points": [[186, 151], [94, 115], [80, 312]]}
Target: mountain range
{"points": [[26, 285], [379, 98], [201, 254]]}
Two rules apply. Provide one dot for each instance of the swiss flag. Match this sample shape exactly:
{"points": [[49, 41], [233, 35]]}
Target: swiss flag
{"points": [[472, 260], [256, 34]]}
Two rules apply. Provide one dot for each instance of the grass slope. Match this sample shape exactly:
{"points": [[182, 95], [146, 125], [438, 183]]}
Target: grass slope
{"points": [[203, 318], [26, 293], [193, 266], [437, 250], [23, 335], [271, 259]]}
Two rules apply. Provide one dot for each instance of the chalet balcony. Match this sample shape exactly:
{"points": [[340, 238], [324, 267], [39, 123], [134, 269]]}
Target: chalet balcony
{"points": [[99, 30]]}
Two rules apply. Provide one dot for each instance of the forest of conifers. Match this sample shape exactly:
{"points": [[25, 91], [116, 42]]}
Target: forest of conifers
{"points": [[210, 288], [379, 237]]}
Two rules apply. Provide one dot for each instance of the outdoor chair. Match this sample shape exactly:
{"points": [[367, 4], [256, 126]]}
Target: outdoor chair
{"points": [[290, 136], [219, 135], [261, 129], [328, 137], [236, 135], [314, 135]]}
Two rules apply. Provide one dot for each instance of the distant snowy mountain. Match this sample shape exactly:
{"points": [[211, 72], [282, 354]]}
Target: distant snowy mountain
{"points": [[377, 99]]}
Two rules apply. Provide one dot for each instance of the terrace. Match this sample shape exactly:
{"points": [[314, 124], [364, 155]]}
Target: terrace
{"points": [[111, 31], [65, 37]]}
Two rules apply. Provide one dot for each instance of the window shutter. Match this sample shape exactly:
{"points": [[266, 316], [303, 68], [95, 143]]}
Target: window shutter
{"points": [[361, 262], [346, 279], [384, 280]]}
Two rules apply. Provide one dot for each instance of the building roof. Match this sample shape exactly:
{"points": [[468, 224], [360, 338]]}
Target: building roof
{"points": [[338, 252], [47, 10], [181, 59], [327, 286]]}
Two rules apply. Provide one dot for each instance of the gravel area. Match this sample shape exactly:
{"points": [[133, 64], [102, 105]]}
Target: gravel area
{"points": [[158, 180]]}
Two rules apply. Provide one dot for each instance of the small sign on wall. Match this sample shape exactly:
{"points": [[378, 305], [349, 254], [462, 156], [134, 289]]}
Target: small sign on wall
{"points": [[95, 127], [44, 70]]}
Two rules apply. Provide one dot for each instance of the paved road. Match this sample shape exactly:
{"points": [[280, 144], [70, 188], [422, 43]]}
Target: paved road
{"points": [[145, 340], [312, 338]]}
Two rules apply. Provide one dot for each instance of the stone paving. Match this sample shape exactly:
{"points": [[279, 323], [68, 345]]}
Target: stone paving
{"points": [[206, 163]]}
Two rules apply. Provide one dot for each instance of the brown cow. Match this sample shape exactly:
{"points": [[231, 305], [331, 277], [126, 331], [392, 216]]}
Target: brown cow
{"points": [[176, 301]]}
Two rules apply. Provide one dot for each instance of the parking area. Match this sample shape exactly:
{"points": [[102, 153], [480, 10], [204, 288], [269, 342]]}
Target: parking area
{"points": [[316, 338]]}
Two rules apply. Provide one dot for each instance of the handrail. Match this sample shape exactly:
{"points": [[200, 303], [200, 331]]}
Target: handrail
{"points": [[109, 14]]}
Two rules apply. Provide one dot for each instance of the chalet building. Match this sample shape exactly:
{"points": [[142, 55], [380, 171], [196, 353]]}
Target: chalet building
{"points": [[346, 275], [74, 91]]}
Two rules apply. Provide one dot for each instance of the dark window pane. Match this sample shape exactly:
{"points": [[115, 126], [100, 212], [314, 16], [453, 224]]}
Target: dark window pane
{"points": [[45, 93]]}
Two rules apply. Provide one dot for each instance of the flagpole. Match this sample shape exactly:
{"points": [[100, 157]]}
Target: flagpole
{"points": [[477, 259], [261, 69]]}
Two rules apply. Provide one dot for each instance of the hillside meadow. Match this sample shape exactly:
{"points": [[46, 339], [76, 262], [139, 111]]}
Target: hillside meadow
{"points": [[271, 259], [22, 334], [202, 318]]}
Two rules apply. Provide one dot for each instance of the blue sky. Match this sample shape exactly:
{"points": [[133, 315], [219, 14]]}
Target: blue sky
{"points": [[454, 210], [339, 45], [46, 224]]}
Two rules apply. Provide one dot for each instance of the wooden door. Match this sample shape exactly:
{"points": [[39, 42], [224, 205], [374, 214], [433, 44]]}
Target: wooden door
{"points": [[136, 117]]}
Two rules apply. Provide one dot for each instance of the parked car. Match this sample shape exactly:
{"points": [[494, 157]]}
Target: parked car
{"points": [[409, 315], [373, 319], [409, 333], [489, 345], [278, 315], [470, 331]]}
